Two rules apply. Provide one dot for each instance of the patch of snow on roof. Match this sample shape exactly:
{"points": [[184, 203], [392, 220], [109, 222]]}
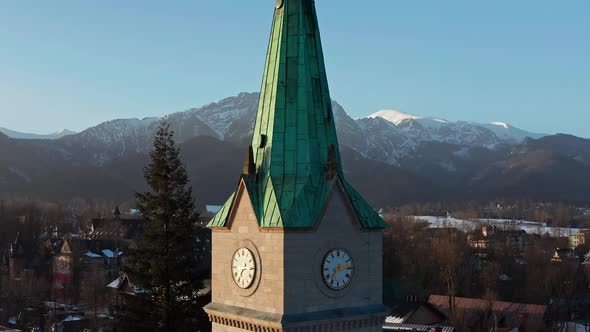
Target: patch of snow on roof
{"points": [[116, 283], [394, 319], [93, 255], [413, 327], [206, 288], [72, 318]]}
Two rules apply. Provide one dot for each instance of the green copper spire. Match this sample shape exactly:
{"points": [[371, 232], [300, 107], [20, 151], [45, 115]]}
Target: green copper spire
{"points": [[295, 161]]}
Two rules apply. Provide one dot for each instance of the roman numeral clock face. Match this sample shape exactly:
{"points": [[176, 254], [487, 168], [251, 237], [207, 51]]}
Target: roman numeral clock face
{"points": [[337, 269], [243, 268]]}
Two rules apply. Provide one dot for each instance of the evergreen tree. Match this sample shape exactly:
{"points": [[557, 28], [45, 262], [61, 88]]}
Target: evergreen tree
{"points": [[163, 267]]}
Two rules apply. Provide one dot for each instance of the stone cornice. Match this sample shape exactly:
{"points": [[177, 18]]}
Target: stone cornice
{"points": [[333, 320]]}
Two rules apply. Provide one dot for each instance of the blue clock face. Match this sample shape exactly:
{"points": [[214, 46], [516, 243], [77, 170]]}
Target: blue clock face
{"points": [[337, 269]]}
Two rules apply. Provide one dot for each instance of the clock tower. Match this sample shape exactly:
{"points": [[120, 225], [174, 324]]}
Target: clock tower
{"points": [[295, 247]]}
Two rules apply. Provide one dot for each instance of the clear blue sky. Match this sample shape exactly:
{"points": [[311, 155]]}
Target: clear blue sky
{"points": [[75, 63]]}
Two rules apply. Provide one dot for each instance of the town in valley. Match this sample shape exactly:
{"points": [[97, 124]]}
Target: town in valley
{"points": [[282, 210]]}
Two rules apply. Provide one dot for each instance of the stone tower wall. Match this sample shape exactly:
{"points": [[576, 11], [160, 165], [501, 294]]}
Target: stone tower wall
{"points": [[305, 290], [267, 293]]}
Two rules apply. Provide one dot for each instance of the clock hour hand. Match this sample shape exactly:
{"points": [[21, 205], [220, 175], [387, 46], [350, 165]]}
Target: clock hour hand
{"points": [[245, 268]]}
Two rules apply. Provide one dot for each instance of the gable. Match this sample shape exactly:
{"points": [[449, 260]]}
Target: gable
{"points": [[344, 202], [65, 249], [338, 212], [18, 249], [126, 286], [241, 213]]}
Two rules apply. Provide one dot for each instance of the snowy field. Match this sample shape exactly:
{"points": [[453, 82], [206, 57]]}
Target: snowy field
{"points": [[531, 227]]}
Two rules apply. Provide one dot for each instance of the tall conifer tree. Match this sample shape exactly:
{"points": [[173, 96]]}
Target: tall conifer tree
{"points": [[163, 267]]}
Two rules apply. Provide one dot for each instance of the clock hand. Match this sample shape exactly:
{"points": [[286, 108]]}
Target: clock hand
{"points": [[336, 270], [339, 268], [241, 272]]}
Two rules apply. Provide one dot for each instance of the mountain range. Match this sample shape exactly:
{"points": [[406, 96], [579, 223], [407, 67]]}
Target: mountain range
{"points": [[390, 156], [21, 135]]}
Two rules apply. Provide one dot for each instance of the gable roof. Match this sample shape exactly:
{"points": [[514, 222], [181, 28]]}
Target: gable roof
{"points": [[65, 248], [414, 327], [508, 314], [53, 246], [17, 248], [268, 218], [124, 285], [442, 302], [116, 229], [294, 160]]}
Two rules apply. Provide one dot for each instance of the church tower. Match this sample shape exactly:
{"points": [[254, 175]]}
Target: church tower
{"points": [[296, 248]]}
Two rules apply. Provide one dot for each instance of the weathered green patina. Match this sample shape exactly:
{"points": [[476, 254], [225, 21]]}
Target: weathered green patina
{"points": [[295, 148]]}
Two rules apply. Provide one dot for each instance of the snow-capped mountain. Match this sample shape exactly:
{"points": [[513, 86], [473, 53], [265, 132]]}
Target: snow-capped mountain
{"points": [[388, 136], [503, 131], [112, 139], [394, 136], [510, 133], [391, 156], [20, 135], [397, 117], [231, 118]]}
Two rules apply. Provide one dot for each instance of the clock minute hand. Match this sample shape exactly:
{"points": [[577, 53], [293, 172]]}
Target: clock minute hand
{"points": [[241, 272], [336, 270], [339, 268]]}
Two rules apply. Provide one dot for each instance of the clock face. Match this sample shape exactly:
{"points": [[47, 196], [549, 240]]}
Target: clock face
{"points": [[337, 269], [243, 268]]}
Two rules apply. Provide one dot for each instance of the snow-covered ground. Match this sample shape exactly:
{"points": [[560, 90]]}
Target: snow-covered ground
{"points": [[531, 227]]}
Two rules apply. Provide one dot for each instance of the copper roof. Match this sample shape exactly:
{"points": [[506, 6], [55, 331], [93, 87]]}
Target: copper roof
{"points": [[295, 160]]}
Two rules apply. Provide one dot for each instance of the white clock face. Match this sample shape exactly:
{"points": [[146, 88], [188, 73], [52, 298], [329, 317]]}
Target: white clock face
{"points": [[337, 269], [243, 268]]}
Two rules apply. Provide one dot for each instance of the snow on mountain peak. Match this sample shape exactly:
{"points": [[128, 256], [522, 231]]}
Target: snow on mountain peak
{"points": [[63, 132], [394, 116], [398, 117], [501, 124]]}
